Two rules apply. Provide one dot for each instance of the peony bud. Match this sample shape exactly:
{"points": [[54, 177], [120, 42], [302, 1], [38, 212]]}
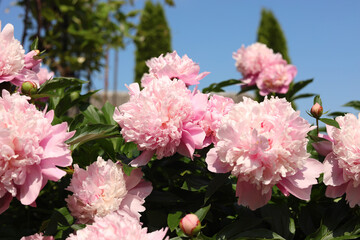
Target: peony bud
{"points": [[316, 110], [190, 225], [28, 88]]}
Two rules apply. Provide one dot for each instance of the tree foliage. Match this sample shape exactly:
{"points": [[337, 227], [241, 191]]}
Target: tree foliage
{"points": [[76, 33], [153, 37], [270, 33]]}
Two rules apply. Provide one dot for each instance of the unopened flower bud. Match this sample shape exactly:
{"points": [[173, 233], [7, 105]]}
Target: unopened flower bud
{"points": [[316, 110], [28, 88], [190, 225]]}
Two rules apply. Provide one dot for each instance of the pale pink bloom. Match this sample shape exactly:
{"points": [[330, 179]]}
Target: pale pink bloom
{"points": [[161, 119], [38, 236], [31, 62], [104, 188], [30, 149], [44, 75], [263, 145], [12, 54], [342, 162], [172, 66], [115, 226], [217, 107], [276, 79], [252, 60], [190, 224]]}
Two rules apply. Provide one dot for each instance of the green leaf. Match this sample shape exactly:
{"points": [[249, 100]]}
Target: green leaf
{"points": [[92, 132], [173, 220], [201, 213], [297, 87], [245, 88], [305, 95], [57, 83], [34, 45], [259, 233], [67, 102], [246, 220], [330, 122], [353, 104], [278, 217], [93, 115], [108, 110], [218, 181], [218, 87], [317, 99], [335, 114]]}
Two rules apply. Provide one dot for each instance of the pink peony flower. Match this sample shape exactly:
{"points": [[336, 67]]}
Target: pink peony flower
{"points": [[190, 224], [117, 225], [173, 66], [37, 236], [44, 75], [252, 60], [12, 54], [264, 144], [276, 78], [218, 106], [30, 150], [104, 188], [342, 162], [161, 119]]}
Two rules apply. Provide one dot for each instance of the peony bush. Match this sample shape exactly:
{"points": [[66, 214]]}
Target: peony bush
{"points": [[173, 162]]}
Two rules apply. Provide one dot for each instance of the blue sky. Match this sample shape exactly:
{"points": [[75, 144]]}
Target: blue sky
{"points": [[323, 39]]}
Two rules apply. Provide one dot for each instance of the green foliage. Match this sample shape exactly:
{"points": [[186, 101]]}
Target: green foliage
{"points": [[270, 33], [153, 37]]}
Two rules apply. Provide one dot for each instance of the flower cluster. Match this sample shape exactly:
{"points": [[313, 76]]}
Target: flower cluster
{"points": [[117, 226], [165, 117], [30, 149], [342, 162], [17, 67], [264, 144], [103, 188], [172, 66], [260, 66]]}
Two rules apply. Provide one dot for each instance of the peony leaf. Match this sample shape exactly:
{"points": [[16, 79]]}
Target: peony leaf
{"points": [[353, 104], [330, 122], [201, 213], [218, 87], [173, 220], [297, 87], [60, 82]]}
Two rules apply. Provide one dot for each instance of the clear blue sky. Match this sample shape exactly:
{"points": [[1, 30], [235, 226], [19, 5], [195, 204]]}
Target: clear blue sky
{"points": [[323, 39]]}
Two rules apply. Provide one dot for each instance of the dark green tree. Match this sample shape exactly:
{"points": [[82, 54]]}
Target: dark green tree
{"points": [[153, 37], [270, 33]]}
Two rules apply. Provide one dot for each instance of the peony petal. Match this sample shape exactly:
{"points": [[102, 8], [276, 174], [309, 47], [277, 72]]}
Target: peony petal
{"points": [[250, 196], [5, 202], [323, 147], [335, 191], [308, 175], [333, 174], [353, 194], [143, 158], [187, 145], [215, 164], [30, 190], [143, 189], [301, 193]]}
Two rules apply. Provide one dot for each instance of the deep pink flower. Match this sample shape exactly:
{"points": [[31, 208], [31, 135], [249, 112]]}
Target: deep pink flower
{"points": [[276, 78], [12, 54], [30, 150], [117, 225], [252, 60], [38, 236], [162, 119], [264, 144], [342, 162], [217, 107], [104, 188], [172, 66]]}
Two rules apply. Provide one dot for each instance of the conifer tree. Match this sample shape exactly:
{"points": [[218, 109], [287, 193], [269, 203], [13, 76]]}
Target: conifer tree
{"points": [[270, 33], [153, 37]]}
